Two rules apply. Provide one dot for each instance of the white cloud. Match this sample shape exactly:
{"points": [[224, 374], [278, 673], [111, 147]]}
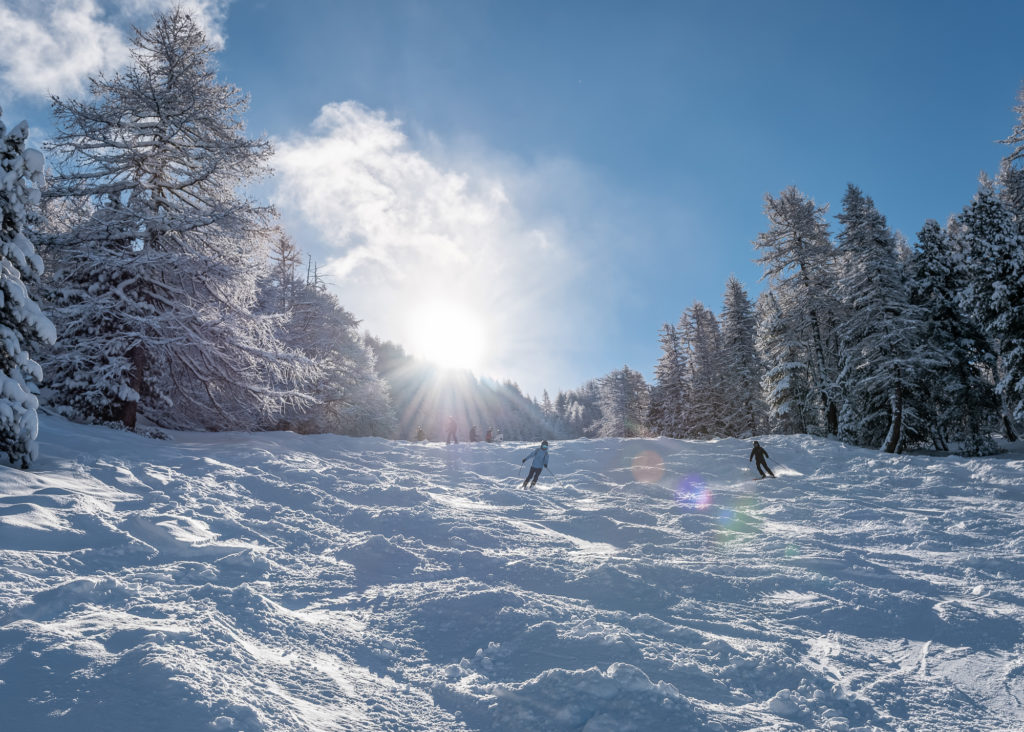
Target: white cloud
{"points": [[401, 231], [53, 46]]}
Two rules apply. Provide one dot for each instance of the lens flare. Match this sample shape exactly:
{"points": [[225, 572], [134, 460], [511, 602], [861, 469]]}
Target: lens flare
{"points": [[648, 467], [692, 494]]}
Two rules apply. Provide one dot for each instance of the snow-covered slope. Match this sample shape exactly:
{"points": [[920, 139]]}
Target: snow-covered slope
{"points": [[280, 582]]}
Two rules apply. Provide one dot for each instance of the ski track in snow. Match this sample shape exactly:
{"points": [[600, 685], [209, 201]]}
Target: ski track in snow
{"points": [[273, 581]]}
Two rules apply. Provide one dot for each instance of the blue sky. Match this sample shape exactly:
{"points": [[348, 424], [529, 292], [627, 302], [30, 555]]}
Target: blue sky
{"points": [[572, 174]]}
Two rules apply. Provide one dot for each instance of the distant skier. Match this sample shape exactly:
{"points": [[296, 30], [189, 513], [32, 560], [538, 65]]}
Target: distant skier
{"points": [[420, 434], [760, 453], [473, 435], [490, 435], [540, 461], [452, 429]]}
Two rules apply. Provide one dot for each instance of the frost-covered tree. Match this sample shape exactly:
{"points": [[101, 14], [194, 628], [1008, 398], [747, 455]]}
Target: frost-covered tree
{"points": [[625, 401], [1016, 136], [21, 320], [882, 345], [702, 350], [957, 390], [349, 396], [992, 272], [155, 280], [799, 264], [743, 405], [784, 383], [668, 395]]}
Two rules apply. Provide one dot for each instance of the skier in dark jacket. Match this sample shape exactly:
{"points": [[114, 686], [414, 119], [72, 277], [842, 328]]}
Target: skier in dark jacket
{"points": [[420, 434], [452, 427], [540, 461], [473, 435], [760, 453]]}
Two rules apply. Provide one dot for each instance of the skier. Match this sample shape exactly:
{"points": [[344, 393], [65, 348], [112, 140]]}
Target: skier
{"points": [[490, 435], [420, 434], [760, 453], [540, 461], [473, 436], [452, 427]]}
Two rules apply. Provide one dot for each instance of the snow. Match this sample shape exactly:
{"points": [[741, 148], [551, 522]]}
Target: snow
{"points": [[271, 581]]}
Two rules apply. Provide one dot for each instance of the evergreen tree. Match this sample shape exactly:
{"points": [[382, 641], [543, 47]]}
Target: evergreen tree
{"points": [[350, 396], [992, 271], [625, 401], [742, 401], [702, 350], [785, 383], [21, 320], [882, 345], [668, 396], [799, 263], [155, 282], [959, 394]]}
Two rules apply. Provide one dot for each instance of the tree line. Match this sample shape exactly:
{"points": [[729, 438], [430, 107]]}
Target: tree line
{"points": [[140, 285], [857, 335]]}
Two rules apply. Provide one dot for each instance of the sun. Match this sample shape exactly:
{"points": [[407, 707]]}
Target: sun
{"points": [[449, 335]]}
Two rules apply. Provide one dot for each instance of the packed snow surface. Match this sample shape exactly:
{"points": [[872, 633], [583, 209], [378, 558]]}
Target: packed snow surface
{"points": [[281, 582]]}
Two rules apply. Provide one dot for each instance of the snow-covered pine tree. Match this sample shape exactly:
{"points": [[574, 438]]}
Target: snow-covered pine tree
{"points": [[21, 320], [702, 350], [155, 282], [993, 293], [668, 395], [958, 391], [799, 264], [1016, 137], [350, 396], [625, 402], [784, 383], [882, 345], [744, 410]]}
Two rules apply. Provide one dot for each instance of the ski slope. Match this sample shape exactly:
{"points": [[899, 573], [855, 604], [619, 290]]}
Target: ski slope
{"points": [[273, 581]]}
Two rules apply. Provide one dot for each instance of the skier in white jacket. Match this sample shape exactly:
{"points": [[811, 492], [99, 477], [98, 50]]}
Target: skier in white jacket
{"points": [[540, 461]]}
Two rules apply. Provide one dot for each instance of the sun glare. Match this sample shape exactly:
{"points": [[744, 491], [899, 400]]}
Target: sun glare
{"points": [[448, 335]]}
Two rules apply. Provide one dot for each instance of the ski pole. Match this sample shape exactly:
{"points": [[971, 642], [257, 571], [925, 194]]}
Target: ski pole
{"points": [[554, 476]]}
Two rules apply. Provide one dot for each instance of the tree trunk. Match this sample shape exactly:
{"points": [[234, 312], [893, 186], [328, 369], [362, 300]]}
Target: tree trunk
{"points": [[129, 411], [893, 439]]}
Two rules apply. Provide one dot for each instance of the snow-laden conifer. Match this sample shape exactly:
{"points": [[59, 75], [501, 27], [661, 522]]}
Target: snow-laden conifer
{"points": [[957, 389], [785, 384], [668, 395], [882, 345], [21, 320], [702, 349], [625, 402], [349, 396], [154, 283], [799, 264], [992, 272], [743, 406]]}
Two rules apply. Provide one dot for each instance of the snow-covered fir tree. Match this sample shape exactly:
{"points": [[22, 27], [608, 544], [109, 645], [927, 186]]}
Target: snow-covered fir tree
{"points": [[22, 322], [350, 396], [703, 411], [799, 264], [668, 395], [992, 272], [882, 345], [958, 390], [625, 402], [155, 282], [744, 410], [785, 383]]}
